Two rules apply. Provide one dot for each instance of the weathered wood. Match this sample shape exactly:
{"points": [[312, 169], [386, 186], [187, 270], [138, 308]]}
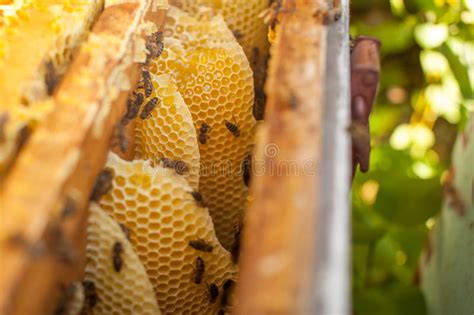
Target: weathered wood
{"points": [[332, 292], [40, 246], [279, 260]]}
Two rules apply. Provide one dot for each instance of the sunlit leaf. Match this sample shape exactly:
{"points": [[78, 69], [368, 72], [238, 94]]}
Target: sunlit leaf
{"points": [[431, 35], [459, 70]]}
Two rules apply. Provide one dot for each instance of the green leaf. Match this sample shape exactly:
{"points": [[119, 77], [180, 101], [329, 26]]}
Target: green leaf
{"points": [[409, 300], [459, 70], [409, 201]]}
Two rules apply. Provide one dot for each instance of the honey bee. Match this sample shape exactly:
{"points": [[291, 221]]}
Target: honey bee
{"points": [[270, 15], [212, 292], [90, 294], [149, 107], [247, 169], [103, 184], [147, 83], [259, 104], [232, 127], [120, 138], [155, 45], [201, 245], [179, 166], [125, 231], [204, 133], [4, 117], [51, 78], [133, 107], [117, 251], [227, 288], [200, 268], [198, 198], [235, 249]]}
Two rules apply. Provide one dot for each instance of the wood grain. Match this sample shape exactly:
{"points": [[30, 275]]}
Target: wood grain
{"points": [[278, 261], [41, 248]]}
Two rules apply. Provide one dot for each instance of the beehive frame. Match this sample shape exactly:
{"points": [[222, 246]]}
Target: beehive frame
{"points": [[325, 274], [69, 149], [306, 215]]}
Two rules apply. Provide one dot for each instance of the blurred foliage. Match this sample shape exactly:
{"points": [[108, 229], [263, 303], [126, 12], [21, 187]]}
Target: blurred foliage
{"points": [[425, 94]]}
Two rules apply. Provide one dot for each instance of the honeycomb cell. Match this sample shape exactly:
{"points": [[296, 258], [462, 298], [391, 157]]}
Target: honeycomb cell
{"points": [[127, 291], [225, 106], [161, 250], [242, 17], [245, 19], [157, 136]]}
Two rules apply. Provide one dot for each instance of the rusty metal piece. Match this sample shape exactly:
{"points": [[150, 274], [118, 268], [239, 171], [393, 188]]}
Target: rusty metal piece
{"points": [[365, 69]]}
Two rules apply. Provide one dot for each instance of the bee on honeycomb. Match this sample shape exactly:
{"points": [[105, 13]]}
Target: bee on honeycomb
{"points": [[214, 77], [107, 291], [169, 132], [155, 205]]}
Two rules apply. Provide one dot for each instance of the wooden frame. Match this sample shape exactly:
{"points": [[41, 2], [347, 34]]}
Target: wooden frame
{"points": [[41, 247], [296, 232]]}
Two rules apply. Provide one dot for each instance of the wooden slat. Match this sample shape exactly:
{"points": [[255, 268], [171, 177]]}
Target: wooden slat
{"points": [[279, 262], [39, 248], [332, 292]]}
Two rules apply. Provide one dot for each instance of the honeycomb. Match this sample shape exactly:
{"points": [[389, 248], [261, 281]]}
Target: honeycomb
{"points": [[214, 77], [37, 42], [157, 207], [128, 291], [245, 19], [169, 131], [242, 17]]}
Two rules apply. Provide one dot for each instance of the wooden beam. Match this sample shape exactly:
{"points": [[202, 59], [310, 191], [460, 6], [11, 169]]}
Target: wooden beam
{"points": [[41, 246], [279, 260], [332, 291]]}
